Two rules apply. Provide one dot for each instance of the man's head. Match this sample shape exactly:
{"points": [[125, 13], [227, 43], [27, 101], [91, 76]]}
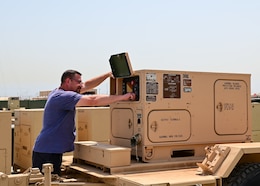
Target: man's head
{"points": [[71, 80]]}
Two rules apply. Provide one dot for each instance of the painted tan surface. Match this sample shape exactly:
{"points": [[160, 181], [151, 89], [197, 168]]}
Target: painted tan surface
{"points": [[28, 123], [92, 123], [104, 155], [238, 150], [181, 112], [5, 142], [256, 122], [175, 177]]}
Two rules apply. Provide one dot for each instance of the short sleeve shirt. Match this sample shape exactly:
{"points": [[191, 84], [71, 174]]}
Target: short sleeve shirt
{"points": [[58, 131]]}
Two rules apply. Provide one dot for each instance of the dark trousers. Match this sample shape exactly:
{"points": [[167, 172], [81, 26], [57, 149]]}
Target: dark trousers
{"points": [[38, 159]]}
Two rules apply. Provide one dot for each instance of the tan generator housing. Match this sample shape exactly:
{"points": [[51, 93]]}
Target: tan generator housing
{"points": [[177, 113]]}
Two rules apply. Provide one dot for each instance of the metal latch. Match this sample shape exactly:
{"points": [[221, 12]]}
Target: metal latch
{"points": [[215, 155]]}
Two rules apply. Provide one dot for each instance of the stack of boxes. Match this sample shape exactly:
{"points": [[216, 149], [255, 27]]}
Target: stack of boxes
{"points": [[92, 124], [28, 123]]}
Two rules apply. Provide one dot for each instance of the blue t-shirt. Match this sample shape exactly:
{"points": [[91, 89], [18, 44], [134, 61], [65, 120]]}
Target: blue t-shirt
{"points": [[58, 132]]}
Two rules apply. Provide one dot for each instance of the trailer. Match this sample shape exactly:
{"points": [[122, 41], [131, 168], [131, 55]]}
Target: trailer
{"points": [[183, 128]]}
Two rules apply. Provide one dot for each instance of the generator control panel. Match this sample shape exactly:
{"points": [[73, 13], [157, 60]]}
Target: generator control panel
{"points": [[131, 85], [171, 86]]}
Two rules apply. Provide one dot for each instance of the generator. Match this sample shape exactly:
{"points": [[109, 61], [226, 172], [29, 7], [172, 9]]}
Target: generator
{"points": [[177, 113]]}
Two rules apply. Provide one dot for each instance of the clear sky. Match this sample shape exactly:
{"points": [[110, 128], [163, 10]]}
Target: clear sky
{"points": [[41, 39]]}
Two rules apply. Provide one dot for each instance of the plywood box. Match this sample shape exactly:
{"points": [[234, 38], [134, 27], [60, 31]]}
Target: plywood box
{"points": [[102, 154]]}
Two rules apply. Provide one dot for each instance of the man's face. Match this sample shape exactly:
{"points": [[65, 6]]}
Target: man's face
{"points": [[76, 83]]}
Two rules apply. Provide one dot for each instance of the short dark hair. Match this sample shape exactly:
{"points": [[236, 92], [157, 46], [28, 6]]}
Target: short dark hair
{"points": [[69, 74]]}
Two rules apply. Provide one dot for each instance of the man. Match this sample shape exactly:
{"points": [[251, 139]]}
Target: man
{"points": [[58, 133]]}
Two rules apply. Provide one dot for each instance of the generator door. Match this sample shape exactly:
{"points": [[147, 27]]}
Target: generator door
{"points": [[231, 107], [169, 125], [122, 125]]}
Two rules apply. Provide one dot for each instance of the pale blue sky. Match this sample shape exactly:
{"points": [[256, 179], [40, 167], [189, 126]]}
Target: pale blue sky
{"points": [[41, 39]]}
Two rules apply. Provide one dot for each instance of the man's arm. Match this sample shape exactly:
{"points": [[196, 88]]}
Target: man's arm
{"points": [[94, 82], [103, 100]]}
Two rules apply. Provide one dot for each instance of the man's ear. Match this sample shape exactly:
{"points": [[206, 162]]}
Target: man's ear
{"points": [[67, 80]]}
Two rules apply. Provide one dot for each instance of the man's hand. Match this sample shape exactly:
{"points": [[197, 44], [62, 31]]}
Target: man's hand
{"points": [[131, 96], [110, 74]]}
